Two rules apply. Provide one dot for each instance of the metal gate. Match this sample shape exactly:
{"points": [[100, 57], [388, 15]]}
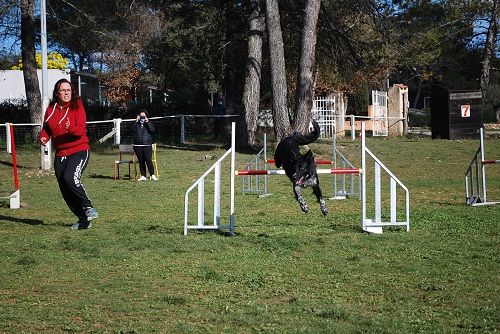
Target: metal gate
{"points": [[380, 121], [323, 113]]}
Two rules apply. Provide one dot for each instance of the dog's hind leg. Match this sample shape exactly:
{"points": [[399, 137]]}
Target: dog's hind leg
{"points": [[300, 199], [319, 196]]}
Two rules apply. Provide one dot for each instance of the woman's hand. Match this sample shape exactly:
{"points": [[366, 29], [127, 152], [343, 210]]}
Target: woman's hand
{"points": [[67, 124], [43, 141]]}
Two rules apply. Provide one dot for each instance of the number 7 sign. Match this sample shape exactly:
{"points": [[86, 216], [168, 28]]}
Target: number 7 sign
{"points": [[465, 109]]}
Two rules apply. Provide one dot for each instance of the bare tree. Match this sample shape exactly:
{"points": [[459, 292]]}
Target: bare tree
{"points": [[28, 53], [305, 80], [278, 73], [251, 91], [488, 51]]}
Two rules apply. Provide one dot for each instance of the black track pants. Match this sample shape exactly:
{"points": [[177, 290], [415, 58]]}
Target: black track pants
{"points": [[69, 171], [144, 155]]}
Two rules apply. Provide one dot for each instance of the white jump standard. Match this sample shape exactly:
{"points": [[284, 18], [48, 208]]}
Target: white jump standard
{"points": [[475, 177], [371, 225]]}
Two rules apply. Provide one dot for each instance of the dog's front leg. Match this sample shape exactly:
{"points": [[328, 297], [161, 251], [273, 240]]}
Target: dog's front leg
{"points": [[319, 196], [300, 199]]}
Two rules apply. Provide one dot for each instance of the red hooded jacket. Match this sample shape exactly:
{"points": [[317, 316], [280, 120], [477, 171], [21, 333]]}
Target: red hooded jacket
{"points": [[66, 141]]}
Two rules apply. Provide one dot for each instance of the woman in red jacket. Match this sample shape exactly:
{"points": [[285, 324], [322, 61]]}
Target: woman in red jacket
{"points": [[65, 123]]}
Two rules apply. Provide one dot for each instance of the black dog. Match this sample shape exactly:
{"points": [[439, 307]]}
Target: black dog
{"points": [[300, 168]]}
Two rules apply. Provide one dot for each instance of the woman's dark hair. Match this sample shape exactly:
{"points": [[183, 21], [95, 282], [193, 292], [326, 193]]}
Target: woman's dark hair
{"points": [[74, 93], [144, 111]]}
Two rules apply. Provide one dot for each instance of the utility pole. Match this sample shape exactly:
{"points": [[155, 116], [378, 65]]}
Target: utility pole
{"points": [[45, 150]]}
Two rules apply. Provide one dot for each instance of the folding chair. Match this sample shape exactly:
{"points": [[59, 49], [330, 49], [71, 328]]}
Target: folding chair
{"points": [[155, 163], [124, 151]]}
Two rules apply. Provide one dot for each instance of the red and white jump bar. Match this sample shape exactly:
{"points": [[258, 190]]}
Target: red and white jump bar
{"points": [[282, 172], [490, 162]]}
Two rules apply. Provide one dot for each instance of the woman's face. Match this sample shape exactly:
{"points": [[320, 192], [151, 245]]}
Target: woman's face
{"points": [[64, 92]]}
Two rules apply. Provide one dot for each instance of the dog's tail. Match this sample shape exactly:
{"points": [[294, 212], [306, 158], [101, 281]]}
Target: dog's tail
{"points": [[305, 139]]}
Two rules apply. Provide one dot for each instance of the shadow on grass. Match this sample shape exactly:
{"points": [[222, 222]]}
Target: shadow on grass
{"points": [[9, 164], [163, 229], [223, 233], [22, 220], [194, 146], [98, 176]]}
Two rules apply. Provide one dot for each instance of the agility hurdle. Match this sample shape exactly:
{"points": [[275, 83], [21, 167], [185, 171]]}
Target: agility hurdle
{"points": [[15, 196], [343, 186], [371, 225], [200, 185], [475, 177], [376, 224]]}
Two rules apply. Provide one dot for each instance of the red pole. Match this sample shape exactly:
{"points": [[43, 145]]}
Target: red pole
{"points": [[14, 157], [345, 171]]}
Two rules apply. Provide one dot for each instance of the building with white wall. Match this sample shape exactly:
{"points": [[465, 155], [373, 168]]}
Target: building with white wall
{"points": [[12, 83]]}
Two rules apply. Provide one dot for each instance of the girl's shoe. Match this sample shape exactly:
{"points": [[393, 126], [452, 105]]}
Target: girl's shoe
{"points": [[82, 224], [91, 213]]}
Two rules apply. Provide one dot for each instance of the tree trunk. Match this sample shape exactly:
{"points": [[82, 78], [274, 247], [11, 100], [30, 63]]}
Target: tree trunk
{"points": [[28, 54], [488, 48], [251, 91], [305, 80], [278, 73]]}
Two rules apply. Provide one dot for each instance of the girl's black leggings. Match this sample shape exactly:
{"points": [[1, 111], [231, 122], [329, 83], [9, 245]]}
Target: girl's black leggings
{"points": [[69, 170]]}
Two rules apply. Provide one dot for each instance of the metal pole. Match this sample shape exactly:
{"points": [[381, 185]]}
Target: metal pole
{"points": [[334, 143], [79, 85], [45, 150], [182, 139], [363, 176], [483, 167], [233, 163], [353, 128], [265, 162], [477, 191], [8, 137]]}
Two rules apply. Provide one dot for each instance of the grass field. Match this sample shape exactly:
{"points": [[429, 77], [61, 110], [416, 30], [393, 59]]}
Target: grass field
{"points": [[284, 272]]}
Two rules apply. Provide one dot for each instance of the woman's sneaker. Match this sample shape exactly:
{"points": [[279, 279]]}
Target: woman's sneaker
{"points": [[82, 224], [154, 178], [91, 213], [142, 178]]}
